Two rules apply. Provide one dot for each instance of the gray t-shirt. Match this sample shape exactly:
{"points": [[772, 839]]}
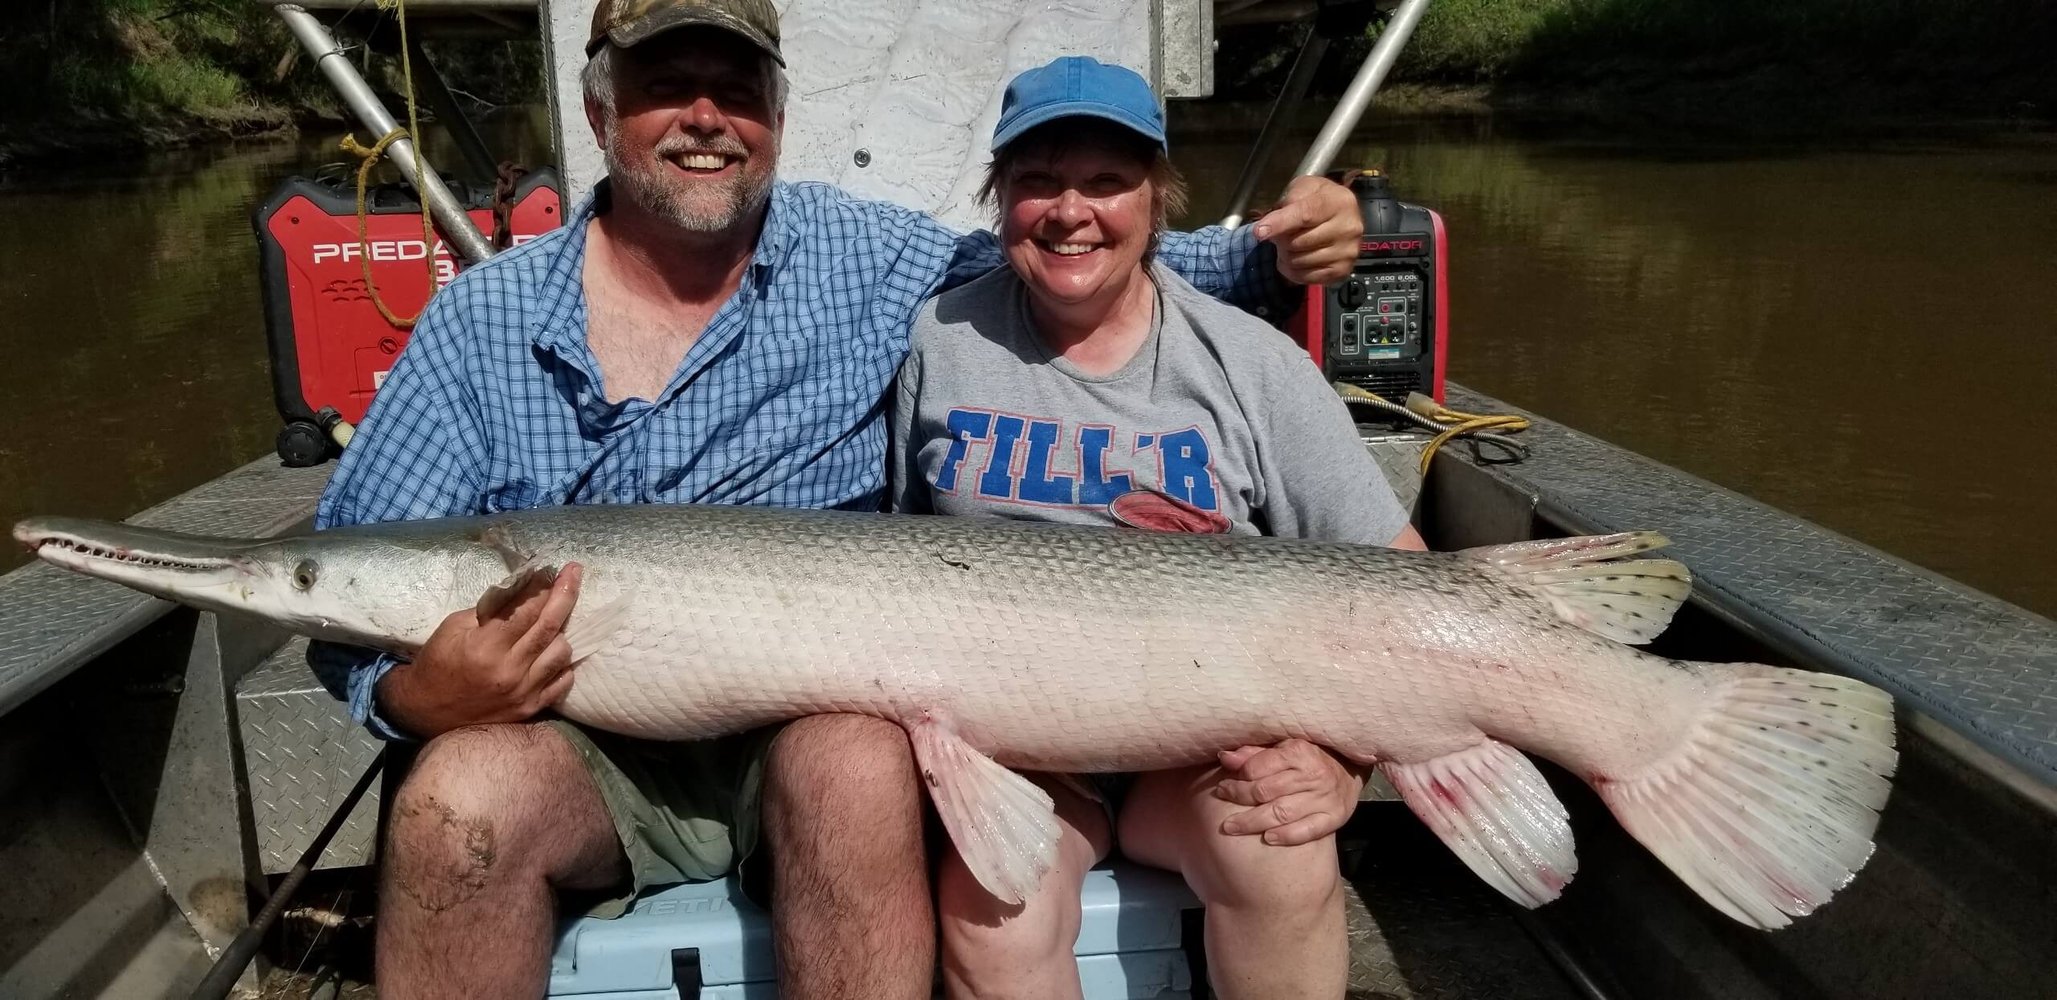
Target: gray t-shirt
{"points": [[1216, 409]]}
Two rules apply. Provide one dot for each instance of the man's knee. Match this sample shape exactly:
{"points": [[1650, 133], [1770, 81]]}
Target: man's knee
{"points": [[463, 816], [831, 763]]}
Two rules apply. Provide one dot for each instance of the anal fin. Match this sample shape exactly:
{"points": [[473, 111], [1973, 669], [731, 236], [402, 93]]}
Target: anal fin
{"points": [[1005, 827], [1493, 808]]}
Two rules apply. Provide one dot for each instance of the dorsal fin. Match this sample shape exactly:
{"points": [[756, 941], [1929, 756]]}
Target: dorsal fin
{"points": [[1589, 583]]}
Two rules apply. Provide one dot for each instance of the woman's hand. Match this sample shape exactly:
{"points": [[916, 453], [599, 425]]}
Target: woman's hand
{"points": [[1297, 792], [1316, 226]]}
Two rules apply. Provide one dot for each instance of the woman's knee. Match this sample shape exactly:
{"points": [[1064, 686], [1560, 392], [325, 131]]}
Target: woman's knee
{"points": [[1182, 831], [986, 942], [1246, 872], [985, 934]]}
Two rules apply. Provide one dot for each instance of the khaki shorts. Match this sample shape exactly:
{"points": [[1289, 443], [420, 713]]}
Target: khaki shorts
{"points": [[685, 812]]}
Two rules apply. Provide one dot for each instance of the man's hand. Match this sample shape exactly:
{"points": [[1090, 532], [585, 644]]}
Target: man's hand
{"points": [[505, 668], [1316, 226], [1298, 792]]}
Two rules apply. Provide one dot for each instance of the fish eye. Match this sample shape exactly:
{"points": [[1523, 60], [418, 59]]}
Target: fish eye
{"points": [[305, 574]]}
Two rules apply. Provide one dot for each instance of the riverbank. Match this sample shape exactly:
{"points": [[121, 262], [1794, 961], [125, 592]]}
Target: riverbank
{"points": [[119, 77], [1773, 64]]}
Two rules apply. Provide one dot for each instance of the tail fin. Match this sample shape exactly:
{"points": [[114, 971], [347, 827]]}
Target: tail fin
{"points": [[1769, 808], [1589, 584]]}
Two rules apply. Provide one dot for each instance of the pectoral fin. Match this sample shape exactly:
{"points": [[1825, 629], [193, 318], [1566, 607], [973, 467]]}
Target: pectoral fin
{"points": [[588, 627], [1005, 827], [528, 574]]}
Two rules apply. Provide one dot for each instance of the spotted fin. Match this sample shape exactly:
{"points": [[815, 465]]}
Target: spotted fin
{"points": [[1589, 583], [1770, 806]]}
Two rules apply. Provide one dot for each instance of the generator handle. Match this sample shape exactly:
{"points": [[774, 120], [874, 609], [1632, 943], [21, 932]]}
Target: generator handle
{"points": [[1384, 53], [449, 214]]}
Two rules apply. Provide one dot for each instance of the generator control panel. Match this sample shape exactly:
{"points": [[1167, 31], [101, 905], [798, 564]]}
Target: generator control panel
{"points": [[1384, 327], [1378, 316]]}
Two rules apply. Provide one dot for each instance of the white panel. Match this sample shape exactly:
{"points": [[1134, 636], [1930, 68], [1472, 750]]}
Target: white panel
{"points": [[566, 23], [914, 84]]}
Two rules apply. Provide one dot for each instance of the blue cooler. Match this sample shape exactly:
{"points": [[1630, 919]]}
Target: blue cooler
{"points": [[708, 941]]}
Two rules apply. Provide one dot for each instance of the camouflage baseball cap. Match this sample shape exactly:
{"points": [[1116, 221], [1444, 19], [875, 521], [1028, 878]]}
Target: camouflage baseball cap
{"points": [[631, 22]]}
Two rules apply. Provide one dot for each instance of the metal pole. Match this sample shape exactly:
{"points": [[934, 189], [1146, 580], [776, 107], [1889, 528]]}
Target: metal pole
{"points": [[1297, 82], [229, 967], [457, 227], [462, 131], [1358, 97]]}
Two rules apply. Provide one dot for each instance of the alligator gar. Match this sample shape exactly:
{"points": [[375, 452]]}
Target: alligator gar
{"points": [[1002, 645]]}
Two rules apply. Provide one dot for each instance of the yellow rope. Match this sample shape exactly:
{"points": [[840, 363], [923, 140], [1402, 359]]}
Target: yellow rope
{"points": [[1456, 422], [369, 157]]}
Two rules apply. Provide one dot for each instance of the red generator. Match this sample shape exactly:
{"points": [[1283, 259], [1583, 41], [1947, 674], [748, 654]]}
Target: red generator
{"points": [[1385, 328], [330, 346]]}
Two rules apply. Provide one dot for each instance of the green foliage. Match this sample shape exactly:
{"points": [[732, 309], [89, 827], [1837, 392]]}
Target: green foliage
{"points": [[1475, 39], [167, 70], [1736, 56], [1814, 43]]}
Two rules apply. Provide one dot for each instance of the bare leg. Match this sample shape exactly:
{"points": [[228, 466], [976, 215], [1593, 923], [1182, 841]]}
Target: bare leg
{"points": [[490, 821], [992, 950], [851, 915], [1274, 914]]}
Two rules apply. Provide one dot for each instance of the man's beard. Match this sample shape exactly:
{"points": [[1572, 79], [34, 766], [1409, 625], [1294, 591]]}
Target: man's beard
{"points": [[646, 178]]}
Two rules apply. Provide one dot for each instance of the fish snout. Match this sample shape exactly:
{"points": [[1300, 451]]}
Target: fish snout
{"points": [[33, 534]]}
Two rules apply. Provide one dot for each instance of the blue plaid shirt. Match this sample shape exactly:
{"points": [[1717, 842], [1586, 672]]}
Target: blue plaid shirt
{"points": [[497, 405]]}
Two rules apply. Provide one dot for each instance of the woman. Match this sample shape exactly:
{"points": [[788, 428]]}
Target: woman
{"points": [[1087, 384]]}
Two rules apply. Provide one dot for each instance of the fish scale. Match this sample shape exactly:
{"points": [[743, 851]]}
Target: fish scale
{"points": [[1010, 644]]}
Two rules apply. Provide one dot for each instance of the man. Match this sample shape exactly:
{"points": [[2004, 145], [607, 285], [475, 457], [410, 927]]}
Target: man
{"points": [[699, 332]]}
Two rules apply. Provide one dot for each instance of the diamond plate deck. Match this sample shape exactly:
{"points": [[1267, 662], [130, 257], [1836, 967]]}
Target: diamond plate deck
{"points": [[1399, 457], [302, 753], [52, 621], [1986, 668]]}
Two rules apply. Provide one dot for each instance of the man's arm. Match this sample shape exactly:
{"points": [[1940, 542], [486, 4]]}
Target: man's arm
{"points": [[907, 490], [417, 455]]}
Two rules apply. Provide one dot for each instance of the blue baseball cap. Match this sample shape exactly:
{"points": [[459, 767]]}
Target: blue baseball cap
{"points": [[1079, 86]]}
